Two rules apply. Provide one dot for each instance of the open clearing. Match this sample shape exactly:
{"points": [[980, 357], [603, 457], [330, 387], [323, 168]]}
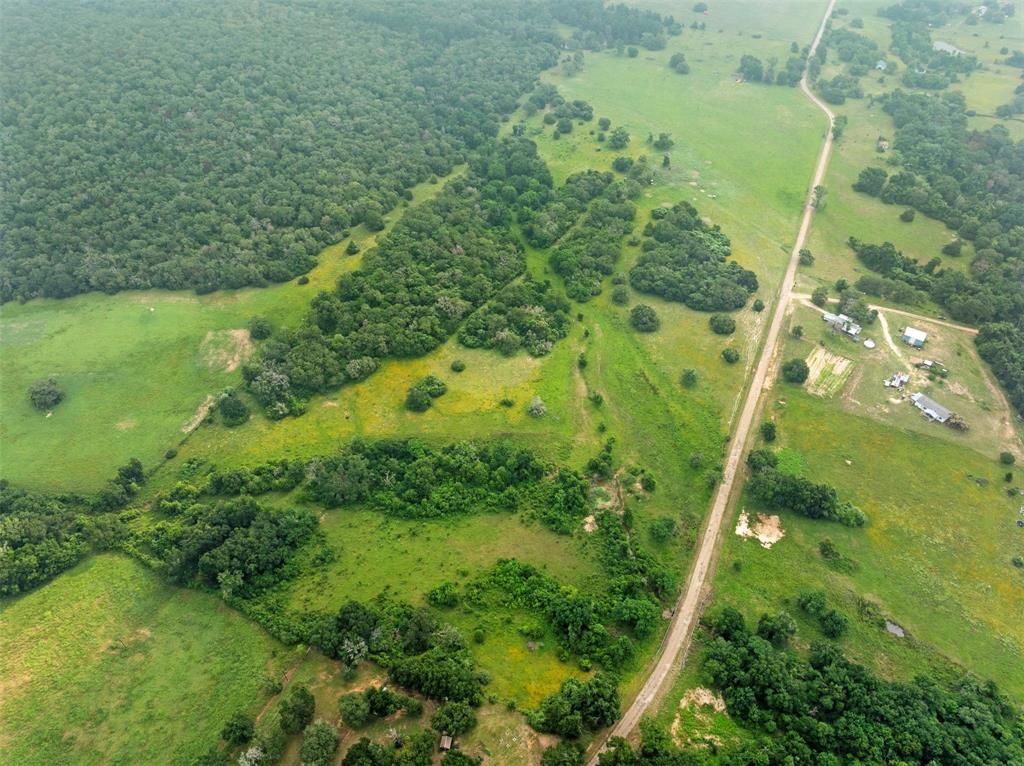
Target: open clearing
{"points": [[828, 372], [107, 665]]}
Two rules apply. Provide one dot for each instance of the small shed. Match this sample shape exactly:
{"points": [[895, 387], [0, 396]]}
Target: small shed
{"points": [[931, 408], [446, 742], [915, 338], [881, 65]]}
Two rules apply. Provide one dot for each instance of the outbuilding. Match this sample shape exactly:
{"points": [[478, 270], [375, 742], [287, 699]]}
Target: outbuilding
{"points": [[915, 338], [931, 408]]}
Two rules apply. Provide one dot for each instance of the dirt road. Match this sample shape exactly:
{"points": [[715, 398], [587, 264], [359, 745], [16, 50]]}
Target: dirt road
{"points": [[687, 612]]}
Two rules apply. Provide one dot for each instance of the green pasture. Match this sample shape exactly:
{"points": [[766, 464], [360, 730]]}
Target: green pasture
{"points": [[968, 390], [136, 367], [107, 665]]}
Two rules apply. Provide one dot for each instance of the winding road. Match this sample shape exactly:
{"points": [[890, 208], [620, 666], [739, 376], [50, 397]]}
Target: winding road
{"points": [[677, 640]]}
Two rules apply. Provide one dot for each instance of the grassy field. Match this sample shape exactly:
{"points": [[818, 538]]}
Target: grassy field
{"points": [[136, 367], [849, 213], [106, 665]]}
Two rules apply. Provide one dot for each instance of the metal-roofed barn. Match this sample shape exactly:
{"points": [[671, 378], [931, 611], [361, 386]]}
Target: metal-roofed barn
{"points": [[915, 338]]}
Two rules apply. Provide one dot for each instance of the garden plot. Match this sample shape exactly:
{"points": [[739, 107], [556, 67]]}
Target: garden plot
{"points": [[828, 372]]}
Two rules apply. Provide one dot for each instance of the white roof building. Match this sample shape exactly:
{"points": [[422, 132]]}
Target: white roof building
{"points": [[915, 338]]}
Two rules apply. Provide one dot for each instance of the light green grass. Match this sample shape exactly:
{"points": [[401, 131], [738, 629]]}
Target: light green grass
{"points": [[935, 555], [134, 368], [106, 665]]}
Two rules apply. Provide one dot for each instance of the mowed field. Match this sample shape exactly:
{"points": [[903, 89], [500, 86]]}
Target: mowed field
{"points": [[107, 665]]}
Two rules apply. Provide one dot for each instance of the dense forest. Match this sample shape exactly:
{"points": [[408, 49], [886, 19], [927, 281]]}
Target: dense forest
{"points": [[208, 146], [974, 182], [213, 146]]}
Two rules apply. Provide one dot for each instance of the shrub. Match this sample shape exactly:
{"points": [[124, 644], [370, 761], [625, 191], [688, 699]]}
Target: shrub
{"points": [[45, 394], [722, 324], [536, 408], [419, 396], [908, 215], [259, 328], [833, 624], [622, 164], [303, 280], [238, 729], [458, 365], [776, 629], [354, 709], [768, 430], [1007, 458], [620, 295], [171, 454], [319, 744], [563, 754], [689, 377], [233, 410], [662, 529], [1018, 561], [730, 355], [806, 258], [819, 297], [647, 483], [798, 331], [795, 371], [644, 318], [758, 305], [297, 710], [352, 248], [444, 596]]}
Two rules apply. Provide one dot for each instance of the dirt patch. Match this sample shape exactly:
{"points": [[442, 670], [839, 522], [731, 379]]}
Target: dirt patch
{"points": [[125, 425], [828, 372], [700, 699], [329, 403], [767, 530], [226, 350], [201, 412], [590, 524]]}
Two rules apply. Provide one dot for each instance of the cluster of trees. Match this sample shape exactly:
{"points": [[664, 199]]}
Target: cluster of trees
{"points": [[360, 708], [543, 224], [796, 494], [421, 395], [578, 706], [683, 259], [442, 260], [526, 314], [281, 475], [679, 64], [42, 535], [195, 159], [824, 709], [600, 26], [860, 53], [925, 67], [588, 253], [419, 652], [839, 88], [973, 181], [752, 69], [417, 750], [238, 546], [409, 479]]}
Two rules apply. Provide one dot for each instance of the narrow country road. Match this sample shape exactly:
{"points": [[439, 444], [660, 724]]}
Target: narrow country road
{"points": [[677, 640]]}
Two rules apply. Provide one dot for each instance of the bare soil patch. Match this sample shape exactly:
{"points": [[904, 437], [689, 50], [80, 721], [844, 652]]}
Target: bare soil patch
{"points": [[201, 412], [767, 530], [700, 699]]}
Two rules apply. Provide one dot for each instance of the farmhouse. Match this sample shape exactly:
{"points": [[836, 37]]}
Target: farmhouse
{"points": [[915, 338], [842, 323], [931, 408]]}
